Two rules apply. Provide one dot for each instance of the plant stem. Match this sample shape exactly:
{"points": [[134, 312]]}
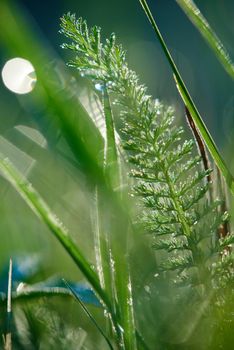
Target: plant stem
{"points": [[190, 104], [8, 340], [88, 314], [118, 248], [200, 22], [44, 213]]}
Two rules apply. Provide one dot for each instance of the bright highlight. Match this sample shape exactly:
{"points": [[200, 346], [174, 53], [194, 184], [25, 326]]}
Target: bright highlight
{"points": [[18, 75]]}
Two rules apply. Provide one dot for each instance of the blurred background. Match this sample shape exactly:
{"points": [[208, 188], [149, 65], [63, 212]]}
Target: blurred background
{"points": [[37, 149], [210, 86], [208, 83]]}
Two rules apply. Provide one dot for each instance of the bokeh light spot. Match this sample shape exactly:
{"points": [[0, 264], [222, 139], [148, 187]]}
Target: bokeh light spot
{"points": [[19, 76]]}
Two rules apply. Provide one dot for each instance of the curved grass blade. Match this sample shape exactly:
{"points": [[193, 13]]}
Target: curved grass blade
{"points": [[44, 213], [76, 125], [78, 129], [30, 292], [190, 105], [34, 293], [68, 113], [202, 151], [219, 161], [92, 319], [200, 22]]}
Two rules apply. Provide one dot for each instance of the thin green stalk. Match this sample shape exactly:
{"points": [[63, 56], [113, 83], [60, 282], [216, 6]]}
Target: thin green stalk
{"points": [[8, 337], [200, 22], [34, 293], [44, 213], [31, 292], [90, 316], [203, 153], [110, 153], [97, 232], [190, 104], [110, 166], [118, 252], [102, 251]]}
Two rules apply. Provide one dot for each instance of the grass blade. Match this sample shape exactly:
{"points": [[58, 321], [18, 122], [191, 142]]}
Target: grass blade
{"points": [[111, 168], [73, 120], [50, 286], [101, 234], [200, 22], [69, 114], [33, 292], [79, 131], [190, 105], [44, 213], [219, 161], [202, 151], [120, 274], [110, 154], [98, 239], [8, 340], [92, 319]]}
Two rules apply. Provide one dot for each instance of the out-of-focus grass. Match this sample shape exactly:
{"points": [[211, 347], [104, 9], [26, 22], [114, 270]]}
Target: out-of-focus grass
{"points": [[194, 14], [84, 151], [64, 163]]}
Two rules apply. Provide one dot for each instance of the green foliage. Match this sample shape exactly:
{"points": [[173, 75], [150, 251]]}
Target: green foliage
{"points": [[178, 293], [170, 179], [168, 176], [189, 103]]}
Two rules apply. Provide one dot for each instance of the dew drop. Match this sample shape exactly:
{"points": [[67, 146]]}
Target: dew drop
{"points": [[99, 87], [121, 328], [20, 287]]}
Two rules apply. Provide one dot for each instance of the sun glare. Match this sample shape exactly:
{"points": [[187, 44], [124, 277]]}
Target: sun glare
{"points": [[18, 75]]}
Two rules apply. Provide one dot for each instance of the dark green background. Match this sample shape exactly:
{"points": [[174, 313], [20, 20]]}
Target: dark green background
{"points": [[210, 86]]}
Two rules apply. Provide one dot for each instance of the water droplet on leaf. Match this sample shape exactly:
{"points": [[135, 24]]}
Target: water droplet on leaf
{"points": [[99, 87]]}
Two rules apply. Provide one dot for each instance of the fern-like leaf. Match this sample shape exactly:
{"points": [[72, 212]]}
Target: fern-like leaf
{"points": [[169, 176]]}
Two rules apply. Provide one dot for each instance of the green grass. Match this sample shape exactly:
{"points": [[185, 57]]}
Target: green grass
{"points": [[221, 53], [143, 231]]}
